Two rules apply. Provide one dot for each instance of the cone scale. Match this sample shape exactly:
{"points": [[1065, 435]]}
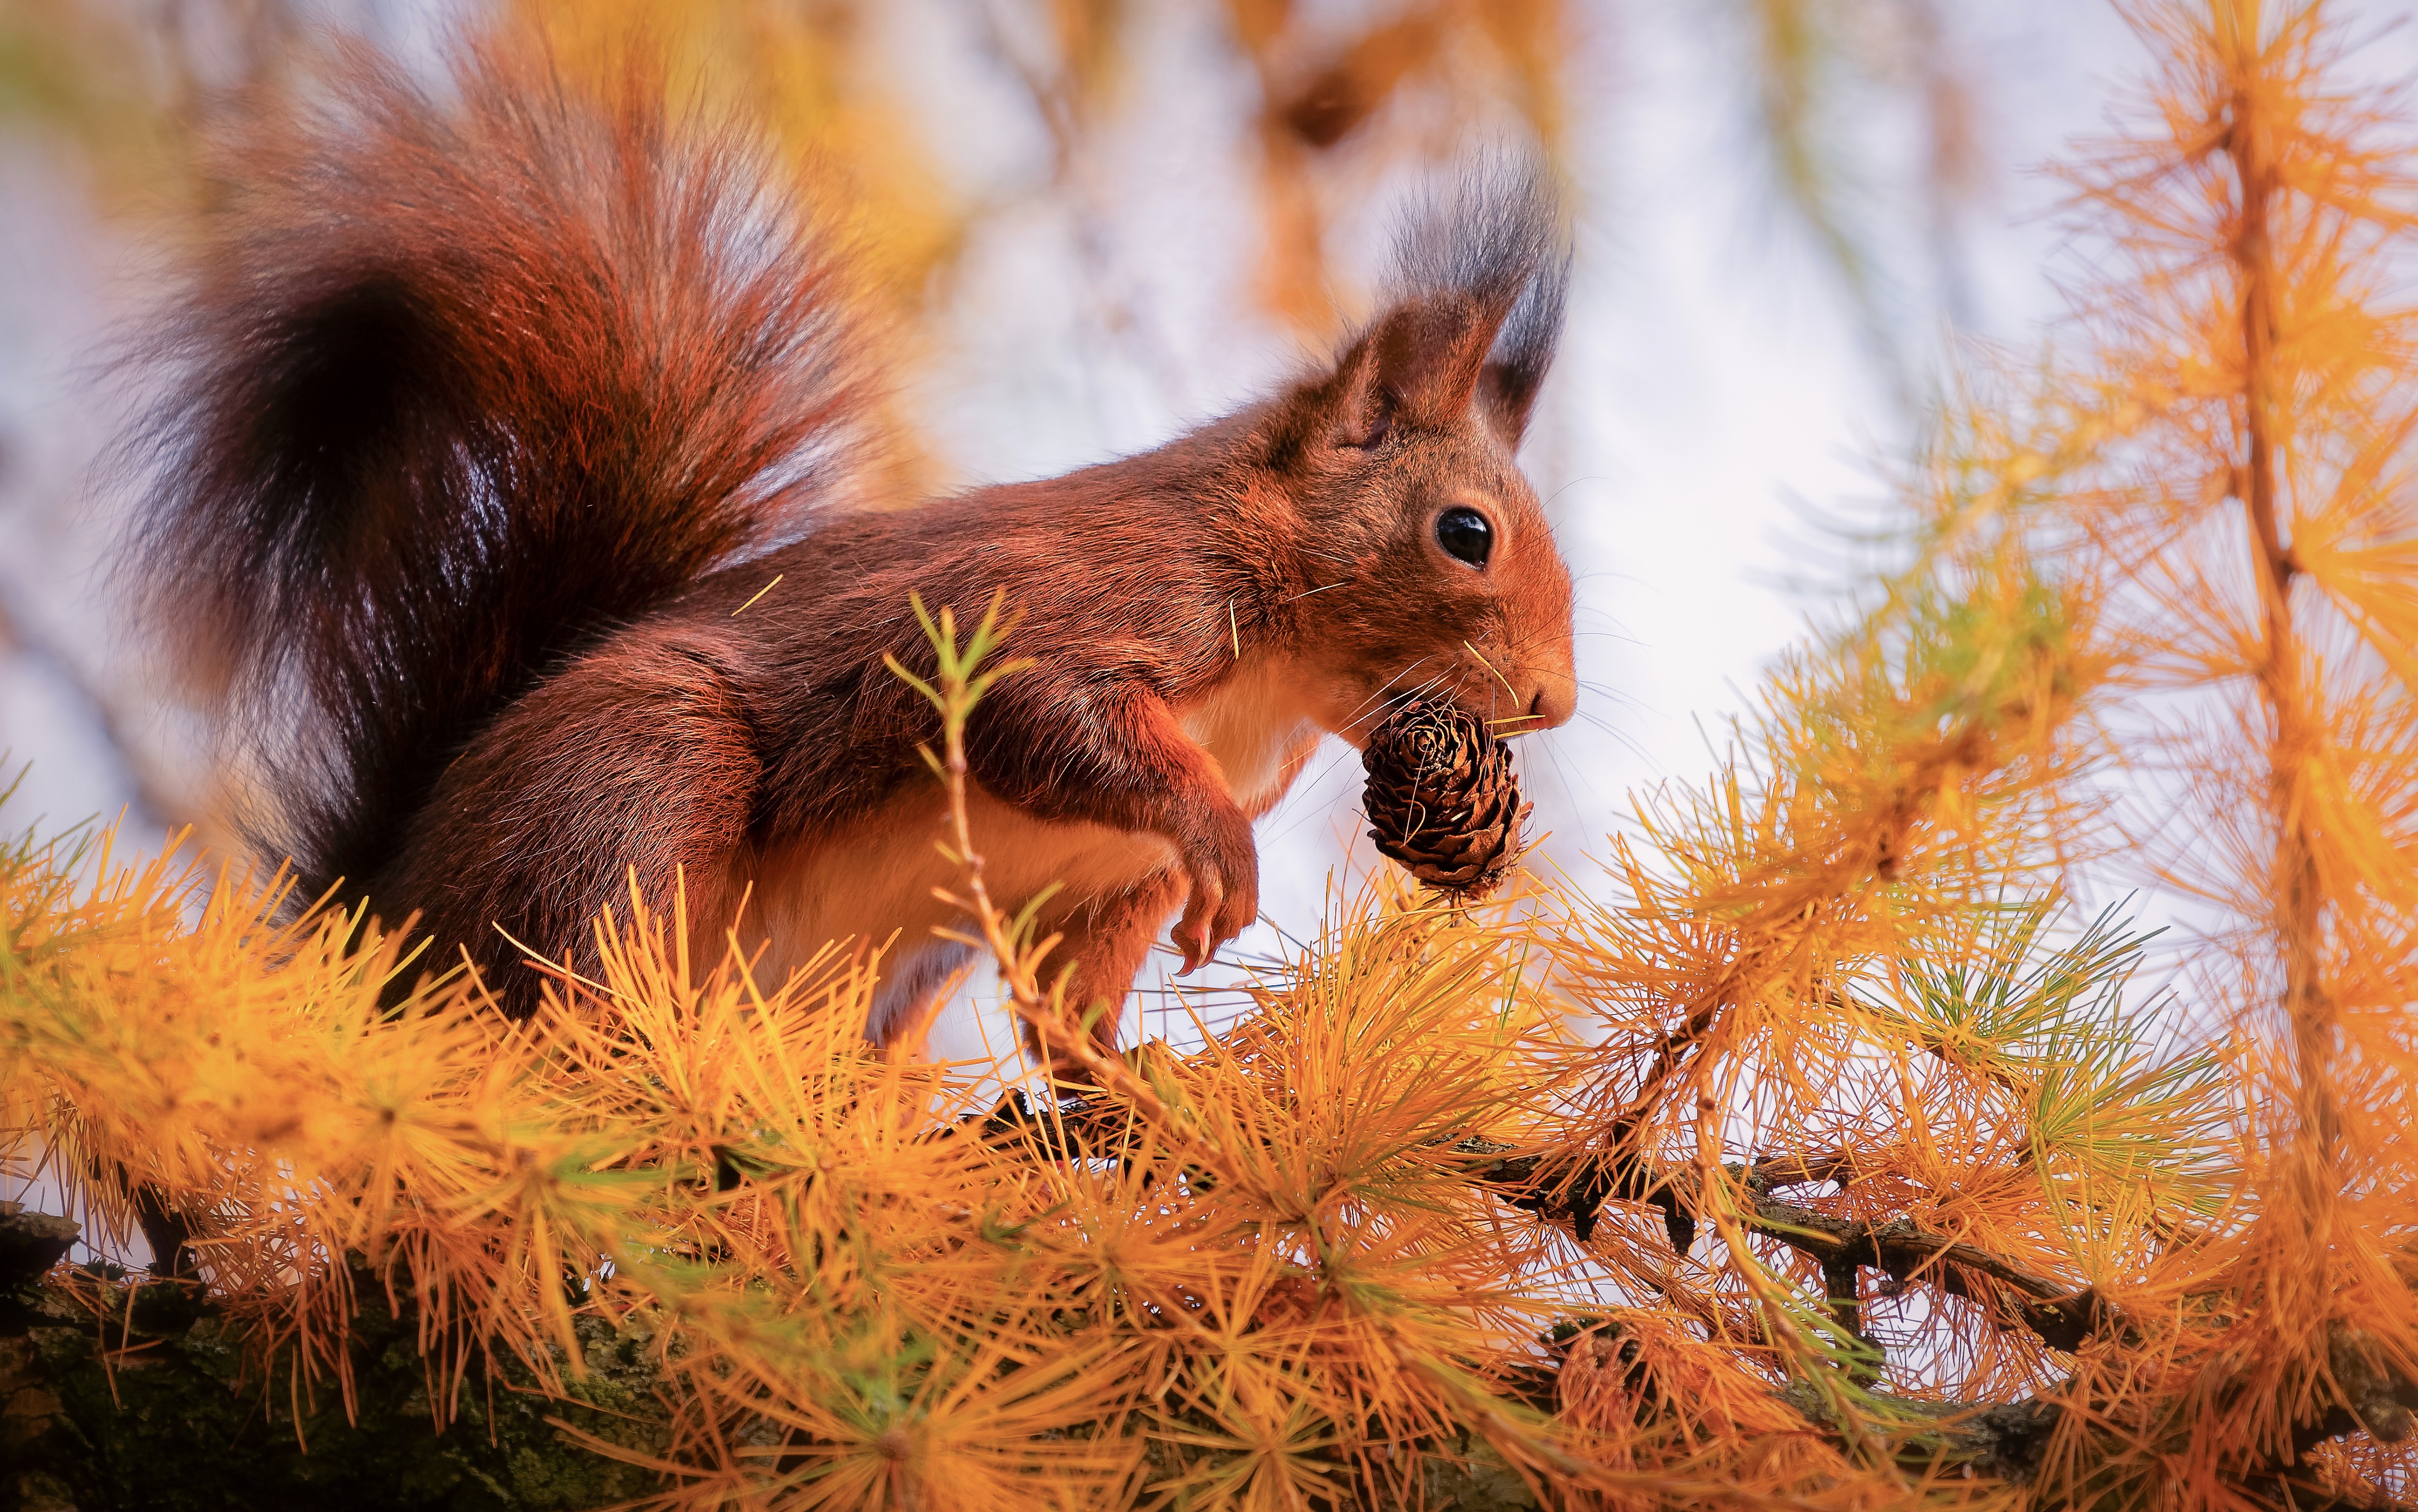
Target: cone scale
{"points": [[1443, 799]]}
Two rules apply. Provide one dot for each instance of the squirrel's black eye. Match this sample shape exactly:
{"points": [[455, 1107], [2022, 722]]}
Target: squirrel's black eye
{"points": [[1465, 534]]}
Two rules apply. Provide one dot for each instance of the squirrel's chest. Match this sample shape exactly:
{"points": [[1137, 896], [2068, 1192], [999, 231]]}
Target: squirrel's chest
{"points": [[873, 883], [1258, 726]]}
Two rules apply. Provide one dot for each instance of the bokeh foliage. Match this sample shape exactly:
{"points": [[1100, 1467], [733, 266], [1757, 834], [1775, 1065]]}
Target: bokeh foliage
{"points": [[1821, 1149]]}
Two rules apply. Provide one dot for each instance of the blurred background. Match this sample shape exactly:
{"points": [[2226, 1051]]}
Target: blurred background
{"points": [[1095, 221]]}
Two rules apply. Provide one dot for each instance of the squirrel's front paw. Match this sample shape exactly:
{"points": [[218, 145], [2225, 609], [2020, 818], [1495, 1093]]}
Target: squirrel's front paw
{"points": [[1223, 864]]}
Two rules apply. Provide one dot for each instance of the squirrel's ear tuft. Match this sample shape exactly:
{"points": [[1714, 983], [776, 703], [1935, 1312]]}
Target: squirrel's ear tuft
{"points": [[1496, 248], [1474, 313], [1523, 349]]}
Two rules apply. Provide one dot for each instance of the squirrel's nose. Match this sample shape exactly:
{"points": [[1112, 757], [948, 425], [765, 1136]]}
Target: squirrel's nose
{"points": [[1555, 701]]}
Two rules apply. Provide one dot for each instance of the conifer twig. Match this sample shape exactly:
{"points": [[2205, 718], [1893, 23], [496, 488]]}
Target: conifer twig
{"points": [[959, 684], [1572, 1188]]}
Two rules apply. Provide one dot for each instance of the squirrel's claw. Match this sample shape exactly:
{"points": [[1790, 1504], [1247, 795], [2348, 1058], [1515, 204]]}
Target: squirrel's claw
{"points": [[1192, 934], [1225, 901]]}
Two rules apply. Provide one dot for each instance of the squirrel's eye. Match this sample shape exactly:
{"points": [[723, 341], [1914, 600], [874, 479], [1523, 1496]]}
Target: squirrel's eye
{"points": [[1466, 535]]}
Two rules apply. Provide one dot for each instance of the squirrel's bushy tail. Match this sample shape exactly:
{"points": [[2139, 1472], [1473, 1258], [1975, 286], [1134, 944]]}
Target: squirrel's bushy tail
{"points": [[463, 377]]}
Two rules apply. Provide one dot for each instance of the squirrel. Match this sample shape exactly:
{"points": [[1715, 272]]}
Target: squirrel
{"points": [[494, 409]]}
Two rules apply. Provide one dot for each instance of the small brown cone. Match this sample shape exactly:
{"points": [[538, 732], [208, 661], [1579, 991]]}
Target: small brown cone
{"points": [[1443, 799]]}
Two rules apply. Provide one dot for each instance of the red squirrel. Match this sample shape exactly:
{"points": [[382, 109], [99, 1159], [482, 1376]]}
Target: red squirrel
{"points": [[506, 491]]}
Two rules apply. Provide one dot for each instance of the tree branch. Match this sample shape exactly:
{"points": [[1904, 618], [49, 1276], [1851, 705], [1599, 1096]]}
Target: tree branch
{"points": [[1573, 1188]]}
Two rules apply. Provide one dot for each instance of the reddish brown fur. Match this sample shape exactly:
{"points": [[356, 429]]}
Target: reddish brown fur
{"points": [[586, 708]]}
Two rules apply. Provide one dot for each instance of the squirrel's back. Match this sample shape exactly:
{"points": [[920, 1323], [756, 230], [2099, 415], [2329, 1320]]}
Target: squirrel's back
{"points": [[464, 376]]}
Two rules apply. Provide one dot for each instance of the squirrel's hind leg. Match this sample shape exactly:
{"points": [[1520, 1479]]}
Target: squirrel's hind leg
{"points": [[1106, 941], [635, 762], [914, 987]]}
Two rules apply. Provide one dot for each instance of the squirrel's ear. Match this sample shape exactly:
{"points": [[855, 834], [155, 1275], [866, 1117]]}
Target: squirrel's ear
{"points": [[1482, 273], [1523, 351], [1478, 281], [1419, 365]]}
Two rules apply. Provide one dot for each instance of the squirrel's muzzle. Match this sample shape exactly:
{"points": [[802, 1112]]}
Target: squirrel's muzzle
{"points": [[1551, 701]]}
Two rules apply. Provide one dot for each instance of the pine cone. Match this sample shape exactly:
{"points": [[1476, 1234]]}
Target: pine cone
{"points": [[1444, 799]]}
